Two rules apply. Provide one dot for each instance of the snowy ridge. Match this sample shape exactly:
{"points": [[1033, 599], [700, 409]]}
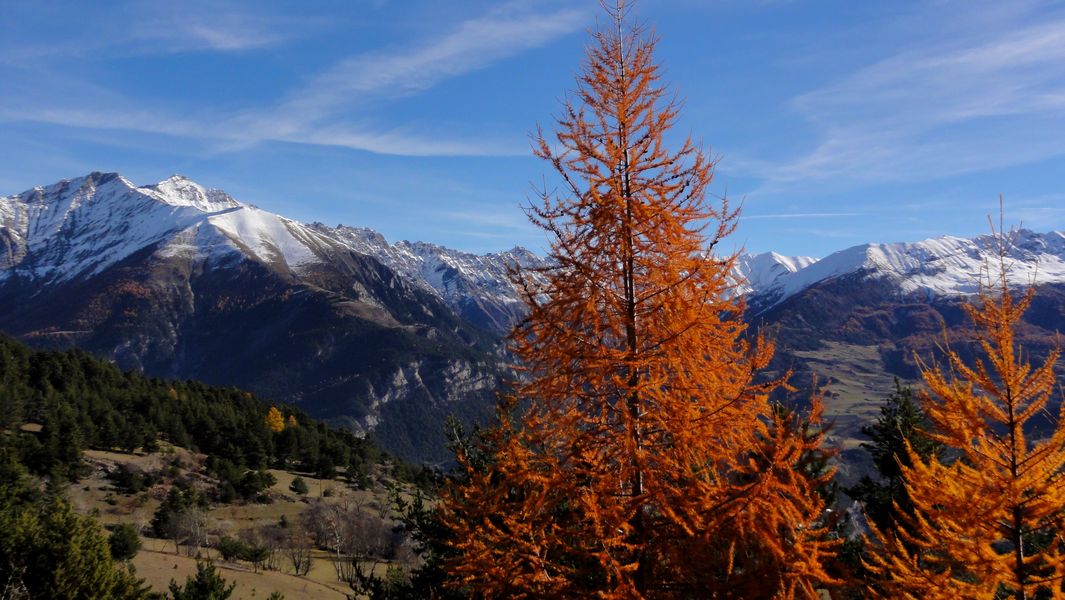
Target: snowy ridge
{"points": [[451, 274], [77, 228], [81, 226], [756, 273], [177, 190], [943, 266], [270, 238]]}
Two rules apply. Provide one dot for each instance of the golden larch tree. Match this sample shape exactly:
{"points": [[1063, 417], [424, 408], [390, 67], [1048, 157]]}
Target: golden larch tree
{"points": [[275, 420], [987, 520], [645, 461]]}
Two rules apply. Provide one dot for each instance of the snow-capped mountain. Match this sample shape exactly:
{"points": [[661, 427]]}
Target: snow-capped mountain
{"points": [[478, 286], [80, 227], [181, 281], [942, 266], [757, 273], [850, 323]]}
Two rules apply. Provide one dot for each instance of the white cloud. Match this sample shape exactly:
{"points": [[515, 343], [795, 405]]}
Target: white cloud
{"points": [[317, 111], [182, 32], [1043, 212], [134, 28], [474, 44], [994, 97]]}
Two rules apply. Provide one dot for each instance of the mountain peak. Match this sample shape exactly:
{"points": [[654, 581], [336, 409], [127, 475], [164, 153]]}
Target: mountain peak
{"points": [[178, 190], [755, 273]]}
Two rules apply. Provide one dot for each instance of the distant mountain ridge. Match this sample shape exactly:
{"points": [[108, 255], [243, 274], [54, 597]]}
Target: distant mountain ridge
{"points": [[180, 280], [477, 286], [942, 266], [80, 227], [757, 273]]}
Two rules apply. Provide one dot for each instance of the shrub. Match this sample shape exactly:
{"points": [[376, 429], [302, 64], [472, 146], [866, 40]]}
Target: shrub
{"points": [[124, 542]]}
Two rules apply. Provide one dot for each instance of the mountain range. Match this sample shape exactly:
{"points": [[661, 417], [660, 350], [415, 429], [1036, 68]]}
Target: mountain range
{"points": [[187, 282], [180, 280]]}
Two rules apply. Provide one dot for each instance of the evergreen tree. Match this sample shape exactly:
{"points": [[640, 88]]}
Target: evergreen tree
{"points": [[82, 402], [124, 542], [206, 584], [901, 425], [298, 486], [55, 553]]}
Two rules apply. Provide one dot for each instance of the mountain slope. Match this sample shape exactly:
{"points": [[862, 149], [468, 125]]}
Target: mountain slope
{"points": [[186, 282], [851, 334], [477, 286]]}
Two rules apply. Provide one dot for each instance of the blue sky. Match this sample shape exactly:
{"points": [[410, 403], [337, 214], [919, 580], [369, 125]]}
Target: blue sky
{"points": [[836, 122]]}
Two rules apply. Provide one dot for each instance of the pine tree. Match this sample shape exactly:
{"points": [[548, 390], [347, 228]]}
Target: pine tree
{"points": [[901, 425], [55, 553], [298, 486], [207, 584], [987, 524], [124, 542], [647, 460]]}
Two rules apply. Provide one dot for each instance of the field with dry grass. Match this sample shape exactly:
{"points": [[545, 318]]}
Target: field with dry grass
{"points": [[161, 561], [855, 383]]}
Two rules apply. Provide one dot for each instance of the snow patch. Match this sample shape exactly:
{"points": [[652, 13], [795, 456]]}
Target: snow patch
{"points": [[450, 274], [269, 237]]}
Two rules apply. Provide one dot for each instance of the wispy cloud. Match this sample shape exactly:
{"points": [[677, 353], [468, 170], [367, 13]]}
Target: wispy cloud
{"points": [[474, 44], [180, 27], [313, 113], [508, 219], [1040, 213], [135, 28], [318, 110], [990, 98]]}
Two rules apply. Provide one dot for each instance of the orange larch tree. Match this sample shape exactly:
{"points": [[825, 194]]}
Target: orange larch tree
{"points": [[646, 461], [987, 523], [275, 420]]}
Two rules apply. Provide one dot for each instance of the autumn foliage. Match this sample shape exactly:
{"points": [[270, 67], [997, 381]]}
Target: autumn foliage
{"points": [[644, 458], [275, 420], [987, 519]]}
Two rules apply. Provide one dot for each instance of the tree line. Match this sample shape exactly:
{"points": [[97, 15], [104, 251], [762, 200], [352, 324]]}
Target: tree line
{"points": [[82, 402]]}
